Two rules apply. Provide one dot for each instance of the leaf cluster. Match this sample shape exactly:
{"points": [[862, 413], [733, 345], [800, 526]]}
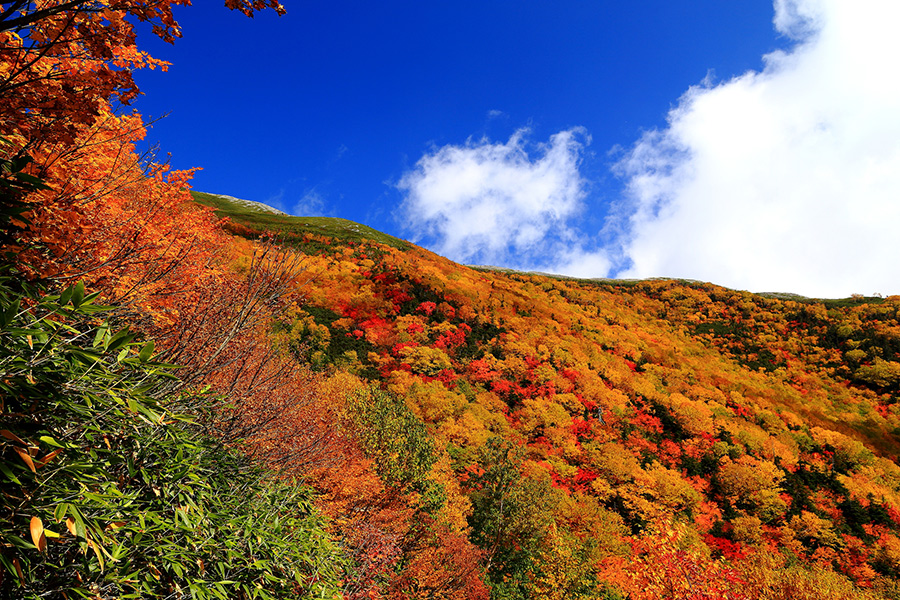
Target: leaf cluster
{"points": [[399, 444], [108, 493]]}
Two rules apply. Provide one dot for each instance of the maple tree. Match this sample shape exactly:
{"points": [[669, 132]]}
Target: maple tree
{"points": [[63, 60]]}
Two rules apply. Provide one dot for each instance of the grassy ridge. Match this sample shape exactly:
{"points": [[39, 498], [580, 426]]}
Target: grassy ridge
{"points": [[260, 220], [350, 231]]}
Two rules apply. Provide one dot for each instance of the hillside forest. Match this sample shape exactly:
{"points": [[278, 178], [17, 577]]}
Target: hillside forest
{"points": [[201, 399]]}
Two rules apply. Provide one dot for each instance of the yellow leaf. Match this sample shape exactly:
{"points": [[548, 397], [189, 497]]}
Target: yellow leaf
{"points": [[99, 554], [26, 458], [70, 525], [37, 534]]}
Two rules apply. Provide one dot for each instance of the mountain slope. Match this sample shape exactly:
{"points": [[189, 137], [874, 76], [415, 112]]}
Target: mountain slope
{"points": [[671, 414]]}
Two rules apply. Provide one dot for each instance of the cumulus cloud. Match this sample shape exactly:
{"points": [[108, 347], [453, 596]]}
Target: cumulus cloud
{"points": [[509, 204], [787, 179]]}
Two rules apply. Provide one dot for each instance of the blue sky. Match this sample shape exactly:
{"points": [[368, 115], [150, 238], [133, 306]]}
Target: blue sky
{"points": [[560, 136]]}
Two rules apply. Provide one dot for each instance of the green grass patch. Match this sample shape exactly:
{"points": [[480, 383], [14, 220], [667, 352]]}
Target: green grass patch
{"points": [[262, 221]]}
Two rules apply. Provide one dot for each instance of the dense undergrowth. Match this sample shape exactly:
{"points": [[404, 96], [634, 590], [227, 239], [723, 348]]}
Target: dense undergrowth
{"points": [[111, 488]]}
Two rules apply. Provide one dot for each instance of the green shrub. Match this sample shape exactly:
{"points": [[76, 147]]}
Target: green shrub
{"points": [[110, 493], [398, 443]]}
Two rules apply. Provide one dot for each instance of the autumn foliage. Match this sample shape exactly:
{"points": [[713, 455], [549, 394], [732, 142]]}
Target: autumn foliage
{"points": [[674, 440], [469, 433]]}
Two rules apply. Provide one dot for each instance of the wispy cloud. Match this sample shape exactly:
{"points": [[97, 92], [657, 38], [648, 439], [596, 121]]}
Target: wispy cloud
{"points": [[786, 179], [510, 204], [311, 204]]}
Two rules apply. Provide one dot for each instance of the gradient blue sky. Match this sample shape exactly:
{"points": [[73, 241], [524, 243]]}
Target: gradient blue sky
{"points": [[367, 110]]}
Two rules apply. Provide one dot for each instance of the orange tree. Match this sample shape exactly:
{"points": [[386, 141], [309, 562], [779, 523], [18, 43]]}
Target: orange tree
{"points": [[60, 61]]}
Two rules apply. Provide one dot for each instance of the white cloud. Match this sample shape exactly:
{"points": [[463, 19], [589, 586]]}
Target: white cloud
{"points": [[311, 204], [786, 179], [498, 203]]}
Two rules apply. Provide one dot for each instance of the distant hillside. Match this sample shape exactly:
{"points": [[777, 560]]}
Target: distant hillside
{"points": [[628, 419], [250, 218], [223, 202]]}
